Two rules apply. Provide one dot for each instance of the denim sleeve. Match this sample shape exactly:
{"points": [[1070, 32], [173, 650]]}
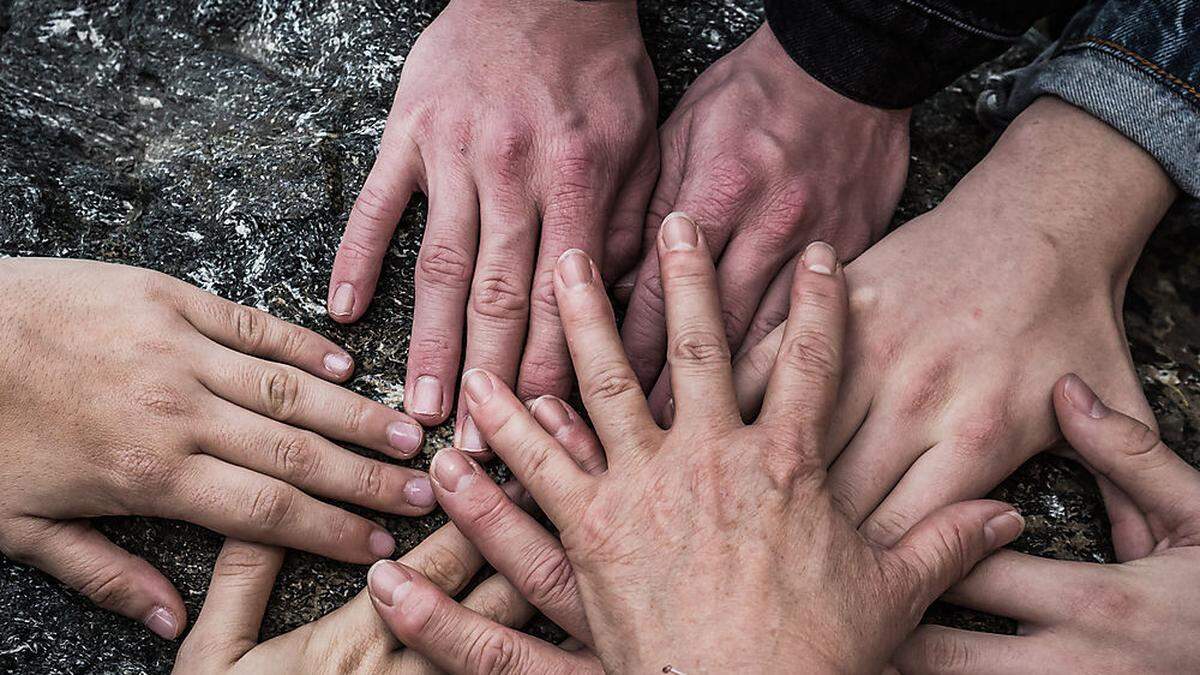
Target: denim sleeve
{"points": [[895, 53], [1135, 64]]}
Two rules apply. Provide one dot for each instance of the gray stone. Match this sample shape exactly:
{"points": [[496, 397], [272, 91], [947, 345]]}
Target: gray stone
{"points": [[223, 141]]}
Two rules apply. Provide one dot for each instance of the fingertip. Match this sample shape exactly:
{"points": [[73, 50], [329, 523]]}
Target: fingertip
{"points": [[389, 582], [1004, 528], [425, 400], [338, 366], [164, 623], [381, 543], [820, 258], [1079, 399], [678, 233], [342, 302], [405, 438]]}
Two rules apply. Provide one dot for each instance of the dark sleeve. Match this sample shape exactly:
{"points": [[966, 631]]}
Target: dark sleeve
{"points": [[895, 53]]}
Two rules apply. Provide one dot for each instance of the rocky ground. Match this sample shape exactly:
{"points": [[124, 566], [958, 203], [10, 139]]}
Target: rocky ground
{"points": [[223, 141]]}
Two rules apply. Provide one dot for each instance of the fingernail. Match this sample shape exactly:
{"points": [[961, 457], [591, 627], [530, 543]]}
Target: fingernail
{"points": [[679, 232], [469, 438], [575, 268], [389, 582], [427, 396], [552, 414], [1003, 528], [478, 386], [381, 544], [820, 257], [405, 437], [669, 412], [162, 623], [419, 493], [342, 302], [1082, 397], [452, 470], [338, 364]]}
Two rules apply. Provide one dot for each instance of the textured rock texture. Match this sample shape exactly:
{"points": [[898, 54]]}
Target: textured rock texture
{"points": [[223, 141]]}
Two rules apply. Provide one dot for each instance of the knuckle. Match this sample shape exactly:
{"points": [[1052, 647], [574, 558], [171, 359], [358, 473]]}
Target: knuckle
{"points": [[699, 347], [236, 562], [249, 325], [1105, 599], [812, 353], [508, 151], [1141, 441], [354, 250], [370, 479], [280, 392], [443, 266], [542, 300], [496, 296], [373, 208], [271, 506], [446, 569], [292, 341], [495, 651], [293, 456], [885, 528], [730, 183], [432, 344], [610, 382], [943, 653], [549, 578], [106, 586], [355, 417]]}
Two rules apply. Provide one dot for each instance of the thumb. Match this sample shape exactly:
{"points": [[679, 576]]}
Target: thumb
{"points": [[82, 558], [231, 618], [1131, 455], [943, 547]]}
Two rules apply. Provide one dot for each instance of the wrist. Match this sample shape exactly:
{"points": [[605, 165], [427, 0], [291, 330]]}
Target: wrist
{"points": [[1064, 185]]}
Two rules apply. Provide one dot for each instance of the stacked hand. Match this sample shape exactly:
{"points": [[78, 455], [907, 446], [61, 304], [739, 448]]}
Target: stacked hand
{"points": [[127, 392], [712, 508], [530, 126]]}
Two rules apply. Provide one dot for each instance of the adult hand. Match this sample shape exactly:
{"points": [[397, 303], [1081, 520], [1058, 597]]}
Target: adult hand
{"points": [[765, 159], [127, 392], [960, 317], [739, 513], [530, 126], [1138, 617]]}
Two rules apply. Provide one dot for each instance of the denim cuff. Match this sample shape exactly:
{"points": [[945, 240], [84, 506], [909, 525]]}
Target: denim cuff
{"points": [[1148, 106]]}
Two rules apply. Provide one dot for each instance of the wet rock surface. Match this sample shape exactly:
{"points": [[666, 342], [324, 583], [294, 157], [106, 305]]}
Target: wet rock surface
{"points": [[223, 141]]}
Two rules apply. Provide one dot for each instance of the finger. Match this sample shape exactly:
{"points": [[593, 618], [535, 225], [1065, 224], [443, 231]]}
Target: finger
{"points": [[442, 283], [232, 615], [624, 241], [644, 329], [495, 599], [254, 332], [498, 314], [752, 372], [1131, 455], [941, 549], [575, 215], [1131, 534], [569, 429], [697, 351], [453, 637], [878, 458], [313, 464], [1024, 587], [804, 384], [937, 650], [748, 265], [112, 578], [772, 311], [537, 460], [607, 384], [287, 395], [513, 542], [373, 219], [246, 505]]}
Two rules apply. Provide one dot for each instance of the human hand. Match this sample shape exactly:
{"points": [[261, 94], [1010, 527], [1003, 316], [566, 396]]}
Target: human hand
{"points": [[1138, 617], [530, 126], [353, 638], [766, 159], [127, 392], [962, 316], [714, 530]]}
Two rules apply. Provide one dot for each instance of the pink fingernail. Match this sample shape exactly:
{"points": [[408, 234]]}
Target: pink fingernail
{"points": [[1082, 398], [338, 364], [1003, 528], [419, 492], [552, 414], [342, 302], [679, 233], [478, 386], [381, 544], [820, 257], [453, 470], [469, 439], [427, 396], [162, 623], [405, 437], [389, 582], [575, 268]]}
